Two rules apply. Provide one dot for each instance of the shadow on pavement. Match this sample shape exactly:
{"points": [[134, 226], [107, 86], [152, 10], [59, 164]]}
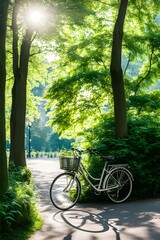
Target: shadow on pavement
{"points": [[117, 220]]}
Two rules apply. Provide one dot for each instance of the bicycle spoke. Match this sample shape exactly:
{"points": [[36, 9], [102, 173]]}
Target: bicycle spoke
{"points": [[65, 191], [119, 185]]}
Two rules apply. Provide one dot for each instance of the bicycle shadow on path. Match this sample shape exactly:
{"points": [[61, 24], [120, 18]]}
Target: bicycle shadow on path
{"points": [[124, 221]]}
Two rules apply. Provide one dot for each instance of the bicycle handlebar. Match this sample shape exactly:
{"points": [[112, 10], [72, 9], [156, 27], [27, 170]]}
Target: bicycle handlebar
{"points": [[91, 151], [94, 152]]}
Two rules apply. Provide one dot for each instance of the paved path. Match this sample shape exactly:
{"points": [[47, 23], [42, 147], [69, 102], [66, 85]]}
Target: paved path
{"points": [[128, 221]]}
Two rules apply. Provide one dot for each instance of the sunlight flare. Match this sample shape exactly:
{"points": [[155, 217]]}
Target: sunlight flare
{"points": [[36, 17]]}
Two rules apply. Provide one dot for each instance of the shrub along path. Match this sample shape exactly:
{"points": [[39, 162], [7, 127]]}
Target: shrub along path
{"points": [[131, 220]]}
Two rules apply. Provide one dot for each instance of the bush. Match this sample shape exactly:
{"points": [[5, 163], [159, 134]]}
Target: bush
{"points": [[140, 149], [18, 206]]}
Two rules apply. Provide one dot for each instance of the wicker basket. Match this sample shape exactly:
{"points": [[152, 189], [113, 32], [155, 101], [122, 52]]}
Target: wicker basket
{"points": [[69, 163]]}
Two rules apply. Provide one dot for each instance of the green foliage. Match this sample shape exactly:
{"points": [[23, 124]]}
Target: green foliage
{"points": [[146, 103], [18, 210], [76, 99], [140, 149], [65, 152], [81, 89]]}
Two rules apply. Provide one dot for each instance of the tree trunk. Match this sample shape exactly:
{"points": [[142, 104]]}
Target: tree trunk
{"points": [[117, 74], [3, 158], [17, 122]]}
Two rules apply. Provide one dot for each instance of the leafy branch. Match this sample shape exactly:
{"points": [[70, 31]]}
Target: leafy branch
{"points": [[148, 72]]}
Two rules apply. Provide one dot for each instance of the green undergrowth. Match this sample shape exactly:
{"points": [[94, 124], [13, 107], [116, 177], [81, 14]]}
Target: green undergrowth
{"points": [[140, 149], [19, 216]]}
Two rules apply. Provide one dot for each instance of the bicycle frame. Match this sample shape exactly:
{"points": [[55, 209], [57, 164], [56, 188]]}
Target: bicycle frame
{"points": [[69, 186], [105, 172]]}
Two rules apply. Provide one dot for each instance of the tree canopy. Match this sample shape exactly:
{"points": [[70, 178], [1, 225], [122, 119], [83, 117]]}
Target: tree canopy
{"points": [[81, 92]]}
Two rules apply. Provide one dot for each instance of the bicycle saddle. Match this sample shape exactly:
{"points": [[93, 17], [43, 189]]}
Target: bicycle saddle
{"points": [[108, 158]]}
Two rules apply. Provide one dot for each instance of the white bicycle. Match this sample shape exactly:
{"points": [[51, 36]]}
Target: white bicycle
{"points": [[115, 180]]}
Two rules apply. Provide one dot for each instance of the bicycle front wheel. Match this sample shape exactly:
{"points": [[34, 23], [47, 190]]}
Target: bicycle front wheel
{"points": [[65, 191], [119, 185]]}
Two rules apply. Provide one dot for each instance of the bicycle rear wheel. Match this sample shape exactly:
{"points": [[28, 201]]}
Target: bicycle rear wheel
{"points": [[119, 185], [65, 191]]}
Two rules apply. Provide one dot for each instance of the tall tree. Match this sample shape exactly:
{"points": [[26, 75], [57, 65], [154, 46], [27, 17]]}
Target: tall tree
{"points": [[3, 158], [89, 85], [28, 18], [18, 111], [117, 73]]}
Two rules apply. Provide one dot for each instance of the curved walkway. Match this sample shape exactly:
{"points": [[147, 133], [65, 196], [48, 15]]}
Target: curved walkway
{"points": [[128, 221]]}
